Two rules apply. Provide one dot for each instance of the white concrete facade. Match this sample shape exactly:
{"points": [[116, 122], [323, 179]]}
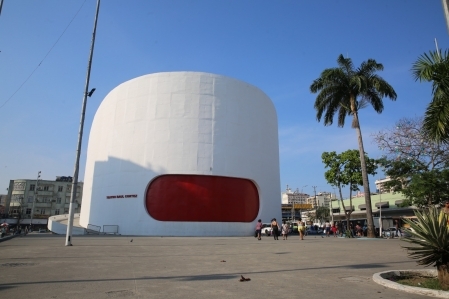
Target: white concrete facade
{"points": [[179, 123]]}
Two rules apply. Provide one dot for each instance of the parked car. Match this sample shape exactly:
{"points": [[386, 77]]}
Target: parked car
{"points": [[310, 230], [293, 229], [266, 229], [390, 232]]}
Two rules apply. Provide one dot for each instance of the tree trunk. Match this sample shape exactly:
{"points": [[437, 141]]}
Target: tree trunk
{"points": [[366, 190], [347, 214], [443, 276]]}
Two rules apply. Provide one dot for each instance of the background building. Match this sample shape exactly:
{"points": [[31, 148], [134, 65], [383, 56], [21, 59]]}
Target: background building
{"points": [[50, 198], [322, 199], [289, 196]]}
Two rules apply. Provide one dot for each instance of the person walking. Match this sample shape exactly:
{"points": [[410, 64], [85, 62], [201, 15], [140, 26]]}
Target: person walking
{"points": [[285, 227], [301, 230], [398, 229], [327, 226], [259, 229], [334, 230], [275, 229]]}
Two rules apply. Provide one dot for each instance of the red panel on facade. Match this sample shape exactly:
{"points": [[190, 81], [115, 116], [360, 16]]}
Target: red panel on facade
{"points": [[202, 198]]}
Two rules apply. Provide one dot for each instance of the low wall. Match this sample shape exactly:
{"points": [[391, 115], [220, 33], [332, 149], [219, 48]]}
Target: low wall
{"points": [[58, 225]]}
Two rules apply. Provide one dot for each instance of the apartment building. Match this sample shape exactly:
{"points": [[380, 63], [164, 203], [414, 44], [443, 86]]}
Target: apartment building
{"points": [[49, 197]]}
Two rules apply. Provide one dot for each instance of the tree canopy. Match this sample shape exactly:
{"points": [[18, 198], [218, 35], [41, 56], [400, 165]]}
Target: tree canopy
{"points": [[344, 169], [416, 164]]}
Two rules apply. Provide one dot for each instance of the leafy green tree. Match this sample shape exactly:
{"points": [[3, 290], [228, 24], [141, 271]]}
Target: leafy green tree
{"points": [[344, 90], [416, 164], [322, 213], [429, 242], [421, 187], [345, 170], [311, 216], [434, 67]]}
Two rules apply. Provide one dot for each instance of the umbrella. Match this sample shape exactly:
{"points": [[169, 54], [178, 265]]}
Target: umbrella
{"points": [[4, 224]]}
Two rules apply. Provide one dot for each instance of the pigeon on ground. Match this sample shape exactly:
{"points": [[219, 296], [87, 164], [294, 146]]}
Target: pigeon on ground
{"points": [[131, 240], [244, 279]]}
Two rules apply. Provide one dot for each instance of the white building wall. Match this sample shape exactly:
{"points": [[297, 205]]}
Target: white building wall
{"points": [[179, 123]]}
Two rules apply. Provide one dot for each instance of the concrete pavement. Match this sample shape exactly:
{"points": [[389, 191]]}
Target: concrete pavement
{"points": [[40, 266]]}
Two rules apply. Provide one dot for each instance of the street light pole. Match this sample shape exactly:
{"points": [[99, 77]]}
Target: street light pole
{"points": [[380, 208], [302, 193], [68, 241], [34, 198], [332, 211], [380, 211]]}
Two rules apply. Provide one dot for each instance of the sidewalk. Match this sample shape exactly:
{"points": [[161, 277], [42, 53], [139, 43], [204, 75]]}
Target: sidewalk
{"points": [[39, 265]]}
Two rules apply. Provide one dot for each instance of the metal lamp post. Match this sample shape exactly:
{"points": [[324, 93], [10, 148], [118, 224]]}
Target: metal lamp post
{"points": [[380, 212], [68, 241], [380, 208], [302, 192], [332, 210]]}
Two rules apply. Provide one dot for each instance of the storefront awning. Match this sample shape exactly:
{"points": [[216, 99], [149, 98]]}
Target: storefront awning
{"points": [[384, 204]]}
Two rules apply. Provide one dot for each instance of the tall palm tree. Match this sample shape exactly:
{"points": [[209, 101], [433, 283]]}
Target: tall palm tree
{"points": [[434, 67], [344, 90]]}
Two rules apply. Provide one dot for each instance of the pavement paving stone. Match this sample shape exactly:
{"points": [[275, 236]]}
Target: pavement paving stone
{"points": [[39, 265]]}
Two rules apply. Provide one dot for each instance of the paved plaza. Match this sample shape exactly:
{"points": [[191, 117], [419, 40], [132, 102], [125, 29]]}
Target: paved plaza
{"points": [[40, 266]]}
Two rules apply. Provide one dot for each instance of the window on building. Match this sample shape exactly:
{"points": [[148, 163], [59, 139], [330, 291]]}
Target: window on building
{"points": [[59, 188], [57, 212], [43, 212], [28, 211], [32, 187], [66, 211], [30, 198], [58, 200], [46, 188]]}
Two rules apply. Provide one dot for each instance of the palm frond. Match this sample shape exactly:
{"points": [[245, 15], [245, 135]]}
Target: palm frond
{"points": [[344, 90], [436, 119], [424, 68]]}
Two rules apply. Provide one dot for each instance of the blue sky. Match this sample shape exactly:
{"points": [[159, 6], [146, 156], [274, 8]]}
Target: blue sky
{"points": [[278, 46]]}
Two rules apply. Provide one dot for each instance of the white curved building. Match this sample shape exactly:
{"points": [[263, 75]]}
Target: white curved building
{"points": [[183, 154]]}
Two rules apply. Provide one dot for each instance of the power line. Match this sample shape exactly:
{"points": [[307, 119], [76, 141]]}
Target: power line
{"points": [[21, 85]]}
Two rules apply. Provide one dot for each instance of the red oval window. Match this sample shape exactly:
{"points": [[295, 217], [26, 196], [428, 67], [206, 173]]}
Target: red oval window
{"points": [[177, 197]]}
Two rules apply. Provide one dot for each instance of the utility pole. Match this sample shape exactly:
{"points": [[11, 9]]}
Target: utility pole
{"points": [[314, 202], [68, 240], [332, 210]]}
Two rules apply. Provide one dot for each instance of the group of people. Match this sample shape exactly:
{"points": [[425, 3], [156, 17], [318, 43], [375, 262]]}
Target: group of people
{"points": [[5, 230], [277, 229]]}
